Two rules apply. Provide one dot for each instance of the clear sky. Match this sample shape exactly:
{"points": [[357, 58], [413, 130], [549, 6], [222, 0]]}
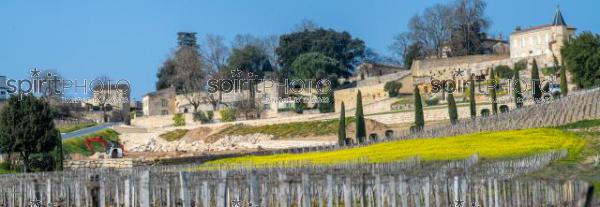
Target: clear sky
{"points": [[130, 39]]}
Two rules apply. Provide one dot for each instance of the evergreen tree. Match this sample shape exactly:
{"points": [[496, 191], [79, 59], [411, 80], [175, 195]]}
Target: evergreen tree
{"points": [[342, 127], [517, 93], [564, 89], [535, 78], [452, 112], [493, 85], [27, 129], [472, 104], [361, 132], [419, 118]]}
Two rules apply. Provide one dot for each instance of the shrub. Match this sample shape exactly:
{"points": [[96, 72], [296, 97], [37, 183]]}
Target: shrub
{"points": [[326, 103], [41, 162], [210, 115], [178, 119], [432, 101], [228, 114], [299, 106], [504, 72], [5, 165], [201, 117], [392, 88]]}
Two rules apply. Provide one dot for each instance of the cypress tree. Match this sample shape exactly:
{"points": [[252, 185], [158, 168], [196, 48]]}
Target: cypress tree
{"points": [[492, 86], [472, 104], [361, 132], [564, 90], [452, 112], [419, 119], [535, 78], [517, 87], [342, 127]]}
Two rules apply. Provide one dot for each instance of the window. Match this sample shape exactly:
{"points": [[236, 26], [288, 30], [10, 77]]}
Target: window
{"points": [[163, 102], [164, 112]]}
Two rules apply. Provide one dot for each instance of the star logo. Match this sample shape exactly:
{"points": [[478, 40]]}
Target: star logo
{"points": [[458, 203], [459, 72], [35, 73], [236, 73], [236, 203]]}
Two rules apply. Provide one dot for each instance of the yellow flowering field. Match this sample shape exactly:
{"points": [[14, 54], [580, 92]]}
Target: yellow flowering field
{"points": [[489, 145]]}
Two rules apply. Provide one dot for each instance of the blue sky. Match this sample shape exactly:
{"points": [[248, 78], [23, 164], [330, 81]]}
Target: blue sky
{"points": [[130, 39]]}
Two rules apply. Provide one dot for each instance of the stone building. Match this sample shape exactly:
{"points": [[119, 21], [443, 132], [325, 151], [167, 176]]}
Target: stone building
{"points": [[161, 102], [116, 98], [542, 42]]}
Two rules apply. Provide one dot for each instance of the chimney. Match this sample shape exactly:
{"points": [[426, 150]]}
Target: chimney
{"points": [[518, 29]]}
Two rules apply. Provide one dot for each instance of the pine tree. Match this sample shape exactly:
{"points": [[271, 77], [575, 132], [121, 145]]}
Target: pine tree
{"points": [[342, 127], [493, 85], [517, 93], [452, 112], [535, 78], [564, 90], [361, 132], [472, 104], [419, 119]]}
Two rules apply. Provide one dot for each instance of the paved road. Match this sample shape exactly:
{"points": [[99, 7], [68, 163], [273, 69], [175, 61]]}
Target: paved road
{"points": [[86, 131]]}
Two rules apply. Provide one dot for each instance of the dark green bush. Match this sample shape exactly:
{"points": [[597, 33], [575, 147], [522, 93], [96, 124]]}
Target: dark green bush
{"points": [[5, 165], [41, 162], [201, 117], [210, 115], [432, 101], [392, 88]]}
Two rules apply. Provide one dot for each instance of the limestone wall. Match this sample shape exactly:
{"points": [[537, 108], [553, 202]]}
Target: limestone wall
{"points": [[374, 80], [105, 163], [372, 93]]}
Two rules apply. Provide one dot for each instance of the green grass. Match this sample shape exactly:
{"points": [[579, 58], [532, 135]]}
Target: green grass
{"points": [[174, 135], [582, 124], [287, 130], [2, 171], [489, 145], [75, 127], [581, 165], [77, 145]]}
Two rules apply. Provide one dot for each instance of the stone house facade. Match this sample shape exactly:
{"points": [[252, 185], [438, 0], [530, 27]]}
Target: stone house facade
{"points": [[161, 102]]}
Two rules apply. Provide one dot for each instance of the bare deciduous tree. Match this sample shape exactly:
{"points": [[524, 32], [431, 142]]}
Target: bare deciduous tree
{"points": [[190, 75], [215, 52], [452, 29]]}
